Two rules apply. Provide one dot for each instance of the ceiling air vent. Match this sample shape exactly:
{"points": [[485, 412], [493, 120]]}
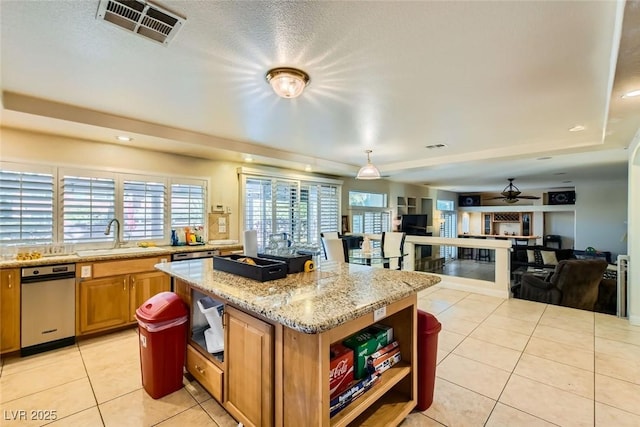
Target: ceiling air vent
{"points": [[141, 17]]}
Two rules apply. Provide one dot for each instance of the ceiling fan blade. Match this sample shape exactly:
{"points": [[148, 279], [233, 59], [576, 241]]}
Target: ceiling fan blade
{"points": [[529, 197]]}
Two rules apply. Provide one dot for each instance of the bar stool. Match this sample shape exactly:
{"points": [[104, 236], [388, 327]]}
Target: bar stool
{"points": [[465, 253], [483, 254]]}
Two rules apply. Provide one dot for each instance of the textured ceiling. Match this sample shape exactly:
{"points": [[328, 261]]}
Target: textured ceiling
{"points": [[500, 83]]}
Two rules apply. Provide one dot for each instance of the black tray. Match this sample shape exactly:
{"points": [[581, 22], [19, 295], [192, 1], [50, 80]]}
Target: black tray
{"points": [[265, 269], [295, 263]]}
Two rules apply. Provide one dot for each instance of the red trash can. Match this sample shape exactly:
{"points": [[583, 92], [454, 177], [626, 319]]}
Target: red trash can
{"points": [[162, 326], [428, 328]]}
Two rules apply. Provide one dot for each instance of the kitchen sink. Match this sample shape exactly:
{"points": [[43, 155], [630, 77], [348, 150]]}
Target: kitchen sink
{"points": [[120, 251]]}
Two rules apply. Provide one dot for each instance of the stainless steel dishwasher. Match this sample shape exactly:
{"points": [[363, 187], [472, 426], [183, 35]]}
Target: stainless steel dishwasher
{"points": [[48, 308]]}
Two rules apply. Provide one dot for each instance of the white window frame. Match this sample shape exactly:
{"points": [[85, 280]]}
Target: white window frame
{"points": [[302, 182], [58, 173], [37, 169]]}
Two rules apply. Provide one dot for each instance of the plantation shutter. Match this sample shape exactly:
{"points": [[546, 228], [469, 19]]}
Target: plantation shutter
{"points": [[187, 205], [88, 204], [329, 209], [26, 207], [144, 209]]}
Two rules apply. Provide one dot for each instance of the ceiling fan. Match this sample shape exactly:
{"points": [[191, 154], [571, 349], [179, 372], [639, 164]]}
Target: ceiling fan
{"points": [[511, 194]]}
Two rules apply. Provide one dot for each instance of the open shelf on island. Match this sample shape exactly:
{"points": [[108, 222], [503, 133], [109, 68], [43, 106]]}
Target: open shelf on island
{"points": [[387, 381]]}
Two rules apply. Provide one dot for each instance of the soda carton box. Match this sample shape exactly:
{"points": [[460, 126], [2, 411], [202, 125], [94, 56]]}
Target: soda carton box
{"points": [[365, 343], [341, 369]]}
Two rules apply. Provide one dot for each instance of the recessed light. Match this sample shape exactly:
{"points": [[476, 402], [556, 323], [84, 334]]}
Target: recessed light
{"points": [[576, 128], [248, 159], [632, 93], [543, 158], [307, 168], [124, 138], [435, 146]]}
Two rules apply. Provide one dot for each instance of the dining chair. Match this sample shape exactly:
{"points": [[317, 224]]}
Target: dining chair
{"points": [[334, 249], [393, 246], [330, 235]]}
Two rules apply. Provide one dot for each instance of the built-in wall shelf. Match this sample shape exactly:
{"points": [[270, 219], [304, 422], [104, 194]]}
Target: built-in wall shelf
{"points": [[406, 205]]}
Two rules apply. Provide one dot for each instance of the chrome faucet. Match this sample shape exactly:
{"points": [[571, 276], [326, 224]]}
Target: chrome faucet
{"points": [[117, 242]]}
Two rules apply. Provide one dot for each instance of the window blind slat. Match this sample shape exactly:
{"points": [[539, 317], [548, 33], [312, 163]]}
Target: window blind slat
{"points": [[88, 204], [26, 207]]}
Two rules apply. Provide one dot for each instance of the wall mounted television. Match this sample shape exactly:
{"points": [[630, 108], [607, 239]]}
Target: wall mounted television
{"points": [[414, 225]]}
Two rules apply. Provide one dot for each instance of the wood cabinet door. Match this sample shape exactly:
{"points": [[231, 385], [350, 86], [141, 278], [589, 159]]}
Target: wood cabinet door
{"points": [[10, 310], [143, 286], [249, 368], [103, 303]]}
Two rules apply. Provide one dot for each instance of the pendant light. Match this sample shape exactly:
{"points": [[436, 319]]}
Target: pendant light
{"points": [[368, 171], [287, 82]]}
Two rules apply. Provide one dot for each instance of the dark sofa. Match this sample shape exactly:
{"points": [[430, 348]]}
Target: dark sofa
{"points": [[520, 256]]}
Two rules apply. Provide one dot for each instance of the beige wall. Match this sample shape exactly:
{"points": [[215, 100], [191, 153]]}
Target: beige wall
{"points": [[28, 147]]}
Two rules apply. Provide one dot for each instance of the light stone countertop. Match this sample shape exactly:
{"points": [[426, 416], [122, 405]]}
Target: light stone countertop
{"points": [[307, 302], [146, 252]]}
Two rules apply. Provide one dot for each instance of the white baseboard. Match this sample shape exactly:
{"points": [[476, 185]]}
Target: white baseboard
{"points": [[634, 320]]}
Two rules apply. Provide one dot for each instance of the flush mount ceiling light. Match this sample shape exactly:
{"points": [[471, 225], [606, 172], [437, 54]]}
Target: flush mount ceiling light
{"points": [[287, 82], [368, 171]]}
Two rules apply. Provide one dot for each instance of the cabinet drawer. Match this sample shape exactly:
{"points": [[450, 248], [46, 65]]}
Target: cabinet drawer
{"points": [[203, 370], [129, 266]]}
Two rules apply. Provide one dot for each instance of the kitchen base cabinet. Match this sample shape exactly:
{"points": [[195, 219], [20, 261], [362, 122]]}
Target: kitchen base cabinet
{"points": [[143, 286], [205, 372], [277, 376], [105, 300], [103, 303], [249, 368], [9, 310], [306, 374]]}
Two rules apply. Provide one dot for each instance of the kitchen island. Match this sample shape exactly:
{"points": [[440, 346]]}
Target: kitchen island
{"points": [[275, 366]]}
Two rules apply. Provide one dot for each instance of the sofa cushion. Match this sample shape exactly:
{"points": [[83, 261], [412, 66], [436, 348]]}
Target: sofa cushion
{"points": [[549, 258], [531, 257]]}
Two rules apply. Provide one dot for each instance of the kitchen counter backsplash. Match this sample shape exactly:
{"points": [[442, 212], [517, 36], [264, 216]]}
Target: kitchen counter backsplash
{"points": [[141, 253]]}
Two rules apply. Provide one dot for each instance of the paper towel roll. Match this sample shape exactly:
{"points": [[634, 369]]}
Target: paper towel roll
{"points": [[251, 243]]}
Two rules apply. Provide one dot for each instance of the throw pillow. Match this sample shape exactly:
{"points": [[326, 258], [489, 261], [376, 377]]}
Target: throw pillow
{"points": [[531, 258], [549, 258]]}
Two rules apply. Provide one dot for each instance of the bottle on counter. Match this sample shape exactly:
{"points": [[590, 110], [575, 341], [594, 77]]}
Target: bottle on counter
{"points": [[174, 238]]}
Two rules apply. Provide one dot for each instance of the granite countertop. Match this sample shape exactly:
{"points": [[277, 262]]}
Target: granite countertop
{"points": [[307, 302], [142, 253]]}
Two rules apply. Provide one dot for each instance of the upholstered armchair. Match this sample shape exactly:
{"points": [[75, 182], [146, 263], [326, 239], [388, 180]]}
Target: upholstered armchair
{"points": [[574, 283]]}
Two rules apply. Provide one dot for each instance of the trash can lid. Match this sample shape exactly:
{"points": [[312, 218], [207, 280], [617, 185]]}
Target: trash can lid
{"points": [[161, 307], [428, 323]]}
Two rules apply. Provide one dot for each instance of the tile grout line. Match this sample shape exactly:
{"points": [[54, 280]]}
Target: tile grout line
{"points": [[95, 398], [514, 368]]}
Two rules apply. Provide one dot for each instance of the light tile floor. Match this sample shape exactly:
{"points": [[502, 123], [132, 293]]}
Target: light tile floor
{"points": [[500, 363]]}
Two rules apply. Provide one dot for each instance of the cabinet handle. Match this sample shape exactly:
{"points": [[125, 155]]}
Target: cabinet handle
{"points": [[199, 369], [10, 281], [133, 283], [124, 284]]}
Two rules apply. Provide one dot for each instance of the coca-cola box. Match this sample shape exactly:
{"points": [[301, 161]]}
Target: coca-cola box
{"points": [[341, 365]]}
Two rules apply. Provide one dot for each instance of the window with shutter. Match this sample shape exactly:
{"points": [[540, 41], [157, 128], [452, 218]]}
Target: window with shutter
{"points": [[301, 209], [26, 207], [143, 208], [88, 204], [188, 203]]}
